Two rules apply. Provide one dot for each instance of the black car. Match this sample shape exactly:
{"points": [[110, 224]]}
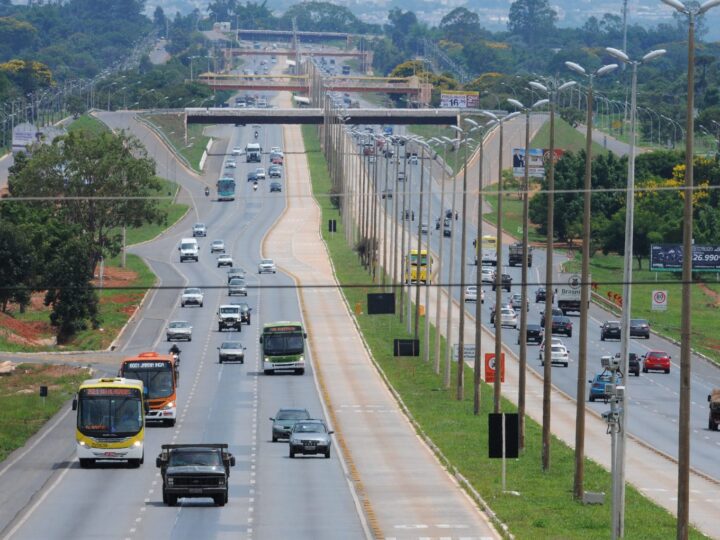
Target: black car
{"points": [[506, 282], [634, 364], [245, 311], [639, 328], [609, 330], [540, 295], [252, 177], [562, 325], [534, 334], [275, 186], [555, 312]]}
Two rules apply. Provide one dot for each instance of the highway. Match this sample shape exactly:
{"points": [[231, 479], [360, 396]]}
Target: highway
{"points": [[216, 403], [653, 396]]}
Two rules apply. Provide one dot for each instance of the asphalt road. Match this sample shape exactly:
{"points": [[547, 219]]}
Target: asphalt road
{"points": [[216, 403], [653, 397]]}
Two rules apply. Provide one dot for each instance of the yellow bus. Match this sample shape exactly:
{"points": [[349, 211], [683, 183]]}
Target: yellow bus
{"points": [[418, 268], [488, 244], [110, 421]]}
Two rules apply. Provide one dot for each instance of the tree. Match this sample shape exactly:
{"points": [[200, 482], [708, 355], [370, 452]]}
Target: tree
{"points": [[531, 19], [80, 166], [461, 26], [17, 269], [399, 27], [159, 20], [323, 17]]}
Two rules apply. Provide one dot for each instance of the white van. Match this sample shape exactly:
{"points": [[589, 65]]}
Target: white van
{"points": [[253, 153], [189, 249]]}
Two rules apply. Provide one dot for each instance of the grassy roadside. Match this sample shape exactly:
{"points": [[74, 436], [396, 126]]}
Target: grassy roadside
{"points": [[22, 411], [512, 215], [88, 123], [173, 126], [566, 137], [545, 509]]}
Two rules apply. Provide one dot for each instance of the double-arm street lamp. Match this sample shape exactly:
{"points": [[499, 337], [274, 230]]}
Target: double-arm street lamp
{"points": [[525, 256], [619, 474], [683, 496]]}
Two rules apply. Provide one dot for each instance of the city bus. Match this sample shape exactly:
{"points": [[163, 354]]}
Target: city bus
{"points": [[283, 347], [159, 376], [110, 421], [488, 245], [226, 189], [418, 268]]}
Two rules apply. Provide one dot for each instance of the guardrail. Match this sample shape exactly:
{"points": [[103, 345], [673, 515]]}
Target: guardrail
{"points": [[165, 139]]}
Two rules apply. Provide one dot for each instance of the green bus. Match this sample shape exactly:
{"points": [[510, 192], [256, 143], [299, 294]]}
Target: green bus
{"points": [[283, 347], [226, 189]]}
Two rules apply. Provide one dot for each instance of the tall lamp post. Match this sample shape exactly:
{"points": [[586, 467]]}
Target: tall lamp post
{"points": [[498, 261], [584, 285], [618, 524], [525, 255], [683, 496]]}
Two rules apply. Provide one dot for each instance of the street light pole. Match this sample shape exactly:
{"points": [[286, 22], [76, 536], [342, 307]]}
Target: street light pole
{"points": [[683, 495], [441, 240], [620, 450], [448, 328]]}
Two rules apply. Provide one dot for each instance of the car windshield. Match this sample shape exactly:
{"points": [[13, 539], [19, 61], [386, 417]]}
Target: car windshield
{"points": [[612, 324], [292, 415], [199, 225], [231, 345], [638, 322], [188, 245], [314, 427], [266, 261], [179, 324], [193, 291], [237, 282], [558, 348], [198, 458], [226, 310]]}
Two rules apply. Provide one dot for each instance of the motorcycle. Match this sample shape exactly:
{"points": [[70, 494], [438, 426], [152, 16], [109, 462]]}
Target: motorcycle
{"points": [[255, 186], [175, 351], [207, 191], [256, 134]]}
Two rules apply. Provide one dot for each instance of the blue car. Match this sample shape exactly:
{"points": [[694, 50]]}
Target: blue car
{"points": [[599, 383]]}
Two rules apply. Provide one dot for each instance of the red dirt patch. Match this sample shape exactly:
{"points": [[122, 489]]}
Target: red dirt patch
{"points": [[115, 277], [712, 294], [30, 331]]}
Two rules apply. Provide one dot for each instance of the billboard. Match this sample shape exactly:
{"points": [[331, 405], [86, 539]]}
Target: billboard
{"points": [[23, 136], [536, 167], [669, 258], [453, 99]]}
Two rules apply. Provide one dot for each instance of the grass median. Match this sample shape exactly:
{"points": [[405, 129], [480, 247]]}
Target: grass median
{"points": [[545, 508]]}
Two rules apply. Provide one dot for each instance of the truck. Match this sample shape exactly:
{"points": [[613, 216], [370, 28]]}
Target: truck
{"points": [[516, 255], [568, 293], [714, 404], [229, 316], [189, 249], [195, 470], [488, 257], [253, 153]]}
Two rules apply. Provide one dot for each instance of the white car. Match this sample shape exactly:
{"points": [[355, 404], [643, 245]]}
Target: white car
{"points": [[179, 330], [260, 173], [508, 317], [237, 150], [553, 341], [224, 260], [191, 296], [559, 355], [276, 150], [199, 229], [231, 164], [488, 275], [218, 246], [471, 294], [266, 265]]}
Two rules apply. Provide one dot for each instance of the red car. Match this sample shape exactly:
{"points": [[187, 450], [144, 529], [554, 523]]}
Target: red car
{"points": [[656, 360]]}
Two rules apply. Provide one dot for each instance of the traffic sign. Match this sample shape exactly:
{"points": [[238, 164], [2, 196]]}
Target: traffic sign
{"points": [[659, 300], [490, 367], [468, 351]]}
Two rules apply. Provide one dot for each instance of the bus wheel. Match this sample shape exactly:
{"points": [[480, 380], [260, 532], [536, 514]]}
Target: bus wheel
{"points": [[86, 463], [268, 371], [134, 463], [170, 422], [219, 500], [300, 371]]}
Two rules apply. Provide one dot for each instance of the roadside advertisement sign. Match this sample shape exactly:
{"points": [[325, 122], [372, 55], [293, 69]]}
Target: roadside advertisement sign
{"points": [[669, 258], [23, 135], [536, 166], [490, 367], [468, 351], [659, 300], [454, 99], [557, 151]]}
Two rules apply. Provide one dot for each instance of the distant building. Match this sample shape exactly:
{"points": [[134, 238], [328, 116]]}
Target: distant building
{"points": [[221, 27]]}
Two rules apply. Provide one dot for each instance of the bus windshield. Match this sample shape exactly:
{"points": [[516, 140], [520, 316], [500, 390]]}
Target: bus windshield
{"points": [[281, 344], [414, 260], [158, 382], [109, 415], [489, 242]]}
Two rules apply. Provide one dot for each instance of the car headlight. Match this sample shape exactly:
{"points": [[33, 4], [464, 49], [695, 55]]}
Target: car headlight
{"points": [[170, 481], [82, 443], [169, 405], [221, 481], [267, 359], [136, 444], [301, 359]]}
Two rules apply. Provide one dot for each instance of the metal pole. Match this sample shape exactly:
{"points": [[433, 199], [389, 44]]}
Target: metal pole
{"points": [[403, 257], [394, 249], [460, 390], [523, 290], [419, 248], [448, 329], [478, 283], [549, 291], [498, 282], [385, 216], [426, 350], [683, 495], [438, 301]]}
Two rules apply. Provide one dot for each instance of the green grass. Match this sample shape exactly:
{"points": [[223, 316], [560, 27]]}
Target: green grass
{"points": [[22, 411], [512, 215], [460, 155], [566, 137], [89, 124], [173, 126], [173, 210], [545, 508], [607, 271]]}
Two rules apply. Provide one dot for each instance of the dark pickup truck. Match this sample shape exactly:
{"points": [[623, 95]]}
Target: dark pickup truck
{"points": [[195, 470], [516, 255]]}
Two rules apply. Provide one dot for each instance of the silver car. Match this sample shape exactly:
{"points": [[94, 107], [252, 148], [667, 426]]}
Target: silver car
{"points": [[218, 246], [235, 273], [310, 437], [508, 317], [191, 296], [266, 265], [237, 286], [231, 351], [199, 229], [224, 260], [177, 330], [260, 173]]}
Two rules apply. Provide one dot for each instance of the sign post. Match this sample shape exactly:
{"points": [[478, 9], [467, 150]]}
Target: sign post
{"points": [[659, 300], [490, 367]]}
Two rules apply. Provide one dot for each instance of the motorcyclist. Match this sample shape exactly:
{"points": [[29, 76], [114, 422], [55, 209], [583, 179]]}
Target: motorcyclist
{"points": [[255, 186], [175, 351], [256, 134], [207, 191]]}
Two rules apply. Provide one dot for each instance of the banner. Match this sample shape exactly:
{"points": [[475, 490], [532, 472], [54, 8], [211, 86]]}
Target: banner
{"points": [[453, 99], [669, 258], [536, 167]]}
